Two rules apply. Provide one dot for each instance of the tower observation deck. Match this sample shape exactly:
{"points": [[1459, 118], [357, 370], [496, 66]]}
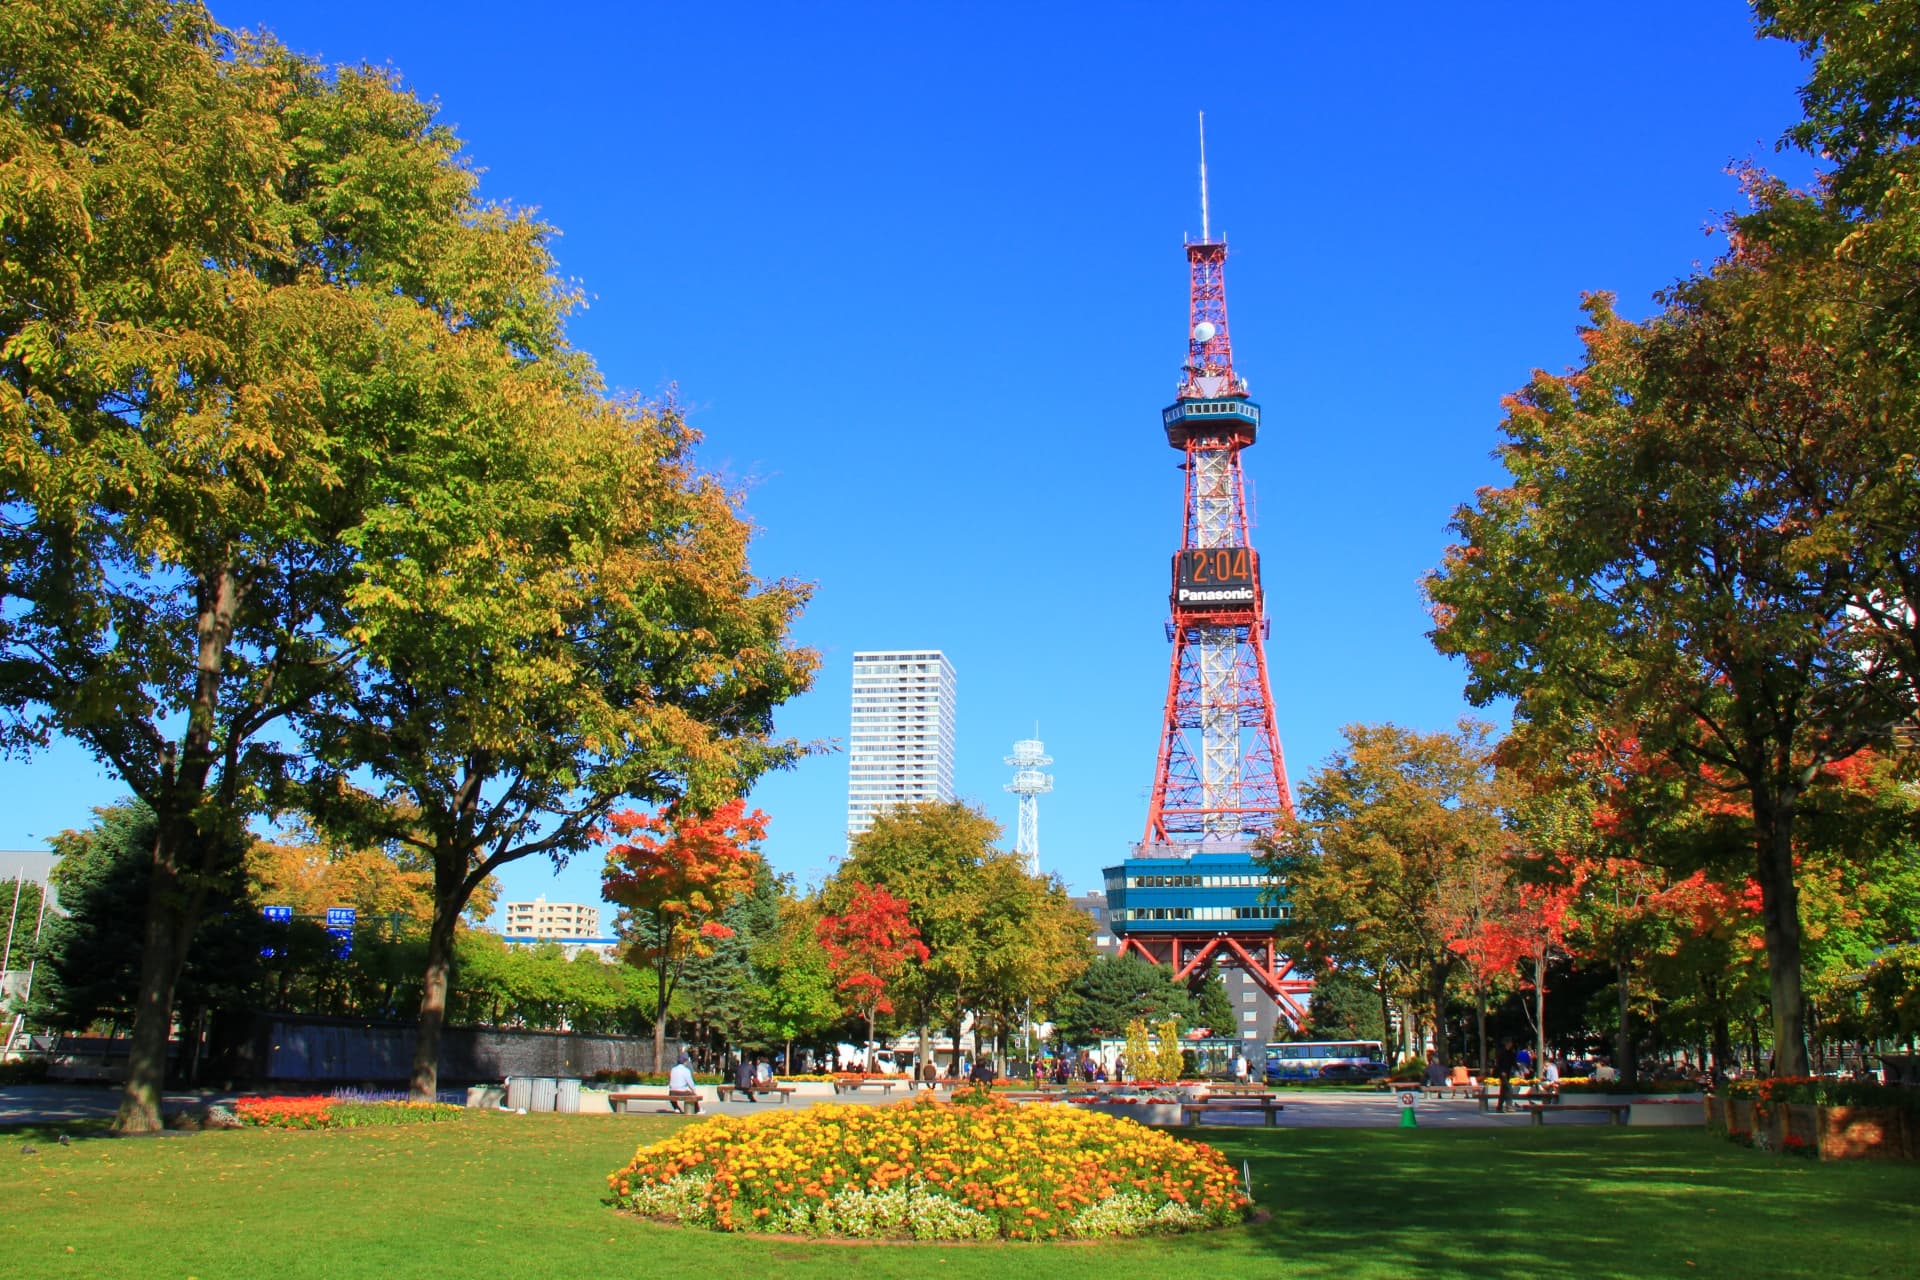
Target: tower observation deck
{"points": [[1194, 893]]}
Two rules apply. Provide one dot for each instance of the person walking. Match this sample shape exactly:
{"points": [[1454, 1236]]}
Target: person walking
{"points": [[1239, 1067], [1506, 1063]]}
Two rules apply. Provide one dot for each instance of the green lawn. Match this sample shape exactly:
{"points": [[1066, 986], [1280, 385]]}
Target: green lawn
{"points": [[505, 1195]]}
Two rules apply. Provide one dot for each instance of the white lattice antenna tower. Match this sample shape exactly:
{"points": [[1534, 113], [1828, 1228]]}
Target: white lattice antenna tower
{"points": [[1029, 783]]}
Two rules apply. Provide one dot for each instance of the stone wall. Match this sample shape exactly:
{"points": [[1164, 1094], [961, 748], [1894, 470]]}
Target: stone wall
{"points": [[276, 1048]]}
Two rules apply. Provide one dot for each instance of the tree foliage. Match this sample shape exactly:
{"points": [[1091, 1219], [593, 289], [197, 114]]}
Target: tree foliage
{"points": [[1396, 833], [997, 936], [289, 428], [1114, 991], [673, 877], [868, 946]]}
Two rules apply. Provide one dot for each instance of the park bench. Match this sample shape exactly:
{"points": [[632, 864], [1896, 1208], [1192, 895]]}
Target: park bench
{"points": [[1617, 1111], [673, 1097], [1030, 1095], [726, 1091], [1519, 1093], [848, 1083], [1237, 1090], [1191, 1112], [1451, 1090]]}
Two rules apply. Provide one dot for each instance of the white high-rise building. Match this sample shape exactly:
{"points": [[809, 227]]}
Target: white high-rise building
{"points": [[901, 746]]}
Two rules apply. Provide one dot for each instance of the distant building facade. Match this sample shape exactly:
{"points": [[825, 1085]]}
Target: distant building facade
{"points": [[541, 920], [900, 747], [1101, 933]]}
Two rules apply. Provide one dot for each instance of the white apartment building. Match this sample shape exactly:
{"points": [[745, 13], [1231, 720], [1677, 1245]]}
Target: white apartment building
{"points": [[543, 919], [901, 746]]}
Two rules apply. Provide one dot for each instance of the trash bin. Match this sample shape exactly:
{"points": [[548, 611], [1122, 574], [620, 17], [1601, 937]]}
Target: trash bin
{"points": [[519, 1093], [484, 1095], [545, 1089], [567, 1100]]}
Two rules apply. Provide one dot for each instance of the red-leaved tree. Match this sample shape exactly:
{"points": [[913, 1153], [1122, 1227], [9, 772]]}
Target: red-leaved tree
{"points": [[1526, 928], [673, 876], [868, 946]]}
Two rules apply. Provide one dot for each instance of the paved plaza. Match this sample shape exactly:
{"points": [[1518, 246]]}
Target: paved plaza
{"points": [[50, 1103]]}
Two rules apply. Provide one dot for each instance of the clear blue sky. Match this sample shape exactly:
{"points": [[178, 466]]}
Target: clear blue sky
{"points": [[916, 270]]}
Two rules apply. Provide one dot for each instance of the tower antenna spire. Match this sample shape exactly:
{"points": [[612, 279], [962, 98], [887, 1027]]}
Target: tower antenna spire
{"points": [[1205, 234]]}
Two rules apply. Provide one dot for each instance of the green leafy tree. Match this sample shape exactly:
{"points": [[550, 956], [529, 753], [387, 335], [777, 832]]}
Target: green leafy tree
{"points": [[245, 306], [793, 997], [998, 937], [87, 963], [1211, 1007], [1344, 1007], [173, 481], [1393, 834], [1670, 555], [720, 989], [1114, 991]]}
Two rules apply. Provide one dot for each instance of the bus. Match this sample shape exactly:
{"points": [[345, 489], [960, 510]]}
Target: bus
{"points": [[1325, 1060]]}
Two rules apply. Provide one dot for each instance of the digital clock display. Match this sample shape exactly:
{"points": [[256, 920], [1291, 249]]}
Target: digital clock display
{"points": [[1215, 577]]}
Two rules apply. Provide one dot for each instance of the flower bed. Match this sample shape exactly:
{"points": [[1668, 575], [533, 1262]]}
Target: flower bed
{"points": [[931, 1170], [338, 1113]]}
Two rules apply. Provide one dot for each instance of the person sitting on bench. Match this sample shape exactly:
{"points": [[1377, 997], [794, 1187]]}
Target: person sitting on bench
{"points": [[743, 1077], [680, 1080]]}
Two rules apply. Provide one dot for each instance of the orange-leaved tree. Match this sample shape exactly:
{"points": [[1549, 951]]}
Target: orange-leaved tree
{"points": [[673, 876], [868, 945]]}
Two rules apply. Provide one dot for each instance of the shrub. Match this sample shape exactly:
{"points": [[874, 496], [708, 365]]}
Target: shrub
{"points": [[25, 1071], [1813, 1091], [928, 1169], [626, 1075]]}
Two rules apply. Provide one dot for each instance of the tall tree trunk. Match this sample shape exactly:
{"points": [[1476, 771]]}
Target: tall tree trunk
{"points": [[433, 1004], [173, 908], [1722, 1045], [1623, 1055], [1386, 1014], [162, 955], [1437, 985], [1480, 1022], [959, 1020], [1780, 911], [1540, 1007]]}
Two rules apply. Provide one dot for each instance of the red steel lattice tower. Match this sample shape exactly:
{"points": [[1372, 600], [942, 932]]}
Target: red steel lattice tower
{"points": [[1221, 780]]}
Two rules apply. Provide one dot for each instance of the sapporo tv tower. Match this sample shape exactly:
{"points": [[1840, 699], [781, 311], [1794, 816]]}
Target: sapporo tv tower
{"points": [[1193, 894]]}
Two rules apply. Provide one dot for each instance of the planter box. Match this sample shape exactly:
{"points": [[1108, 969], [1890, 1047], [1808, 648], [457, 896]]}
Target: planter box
{"points": [[1796, 1120], [1740, 1115], [1664, 1113], [1865, 1133], [810, 1088], [1158, 1113]]}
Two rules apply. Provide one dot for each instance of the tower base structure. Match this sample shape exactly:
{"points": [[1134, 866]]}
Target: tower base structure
{"points": [[1253, 954], [1185, 907]]}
